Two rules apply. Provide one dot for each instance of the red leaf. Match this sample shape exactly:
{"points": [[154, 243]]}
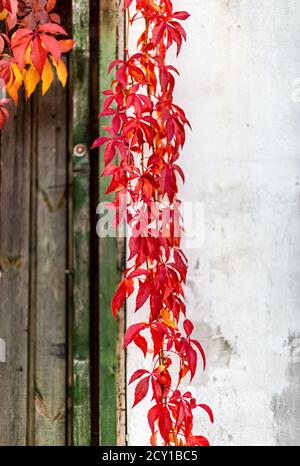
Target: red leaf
{"points": [[158, 33], [113, 64], [143, 294], [38, 55], [192, 361], [153, 415], [209, 412], [157, 337], [155, 305], [52, 46], [157, 390], [132, 331], [165, 423], [141, 390], [19, 44], [138, 273], [181, 15], [188, 327], [198, 441], [201, 350], [141, 343], [100, 141], [137, 375], [52, 28], [109, 153], [124, 289]]}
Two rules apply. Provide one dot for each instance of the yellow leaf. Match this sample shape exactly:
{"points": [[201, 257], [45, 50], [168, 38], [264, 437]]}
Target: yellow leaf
{"points": [[62, 72], [47, 77], [31, 79]]}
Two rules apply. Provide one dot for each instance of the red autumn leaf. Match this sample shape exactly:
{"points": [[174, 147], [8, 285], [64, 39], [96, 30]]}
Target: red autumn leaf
{"points": [[181, 15], [153, 415], [192, 360], [157, 390], [137, 273], [109, 153], [38, 55], [19, 44], [141, 390], [208, 410], [52, 28], [137, 375], [157, 333], [201, 351], [141, 343], [133, 331], [100, 141], [188, 327], [165, 423], [52, 46], [198, 441], [143, 294], [124, 289]]}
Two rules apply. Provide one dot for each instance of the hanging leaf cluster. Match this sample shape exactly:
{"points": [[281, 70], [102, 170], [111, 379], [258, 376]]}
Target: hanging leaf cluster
{"points": [[32, 42], [141, 153]]}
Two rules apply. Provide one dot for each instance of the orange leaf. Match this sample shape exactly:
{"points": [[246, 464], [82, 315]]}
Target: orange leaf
{"points": [[31, 79], [167, 319], [153, 439], [62, 72], [3, 14], [50, 5], [47, 77], [15, 82], [66, 45]]}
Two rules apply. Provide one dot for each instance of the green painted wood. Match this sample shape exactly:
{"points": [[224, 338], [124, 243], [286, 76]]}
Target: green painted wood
{"points": [[109, 275], [81, 225]]}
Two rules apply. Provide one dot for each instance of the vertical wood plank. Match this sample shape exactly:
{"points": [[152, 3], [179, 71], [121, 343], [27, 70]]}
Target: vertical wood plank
{"points": [[52, 192], [81, 225], [121, 245], [14, 274], [109, 274]]}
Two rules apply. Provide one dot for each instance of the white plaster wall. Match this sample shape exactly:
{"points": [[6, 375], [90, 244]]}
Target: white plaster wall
{"points": [[239, 71]]}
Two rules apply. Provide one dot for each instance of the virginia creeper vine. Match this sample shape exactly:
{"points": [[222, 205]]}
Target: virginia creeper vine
{"points": [[31, 47], [146, 136]]}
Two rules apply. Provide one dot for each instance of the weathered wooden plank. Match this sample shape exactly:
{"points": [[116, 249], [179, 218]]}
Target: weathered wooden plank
{"points": [[81, 225], [94, 200], [14, 274], [121, 245], [109, 274], [51, 247]]}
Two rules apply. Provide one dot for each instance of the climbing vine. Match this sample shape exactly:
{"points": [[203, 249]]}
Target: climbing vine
{"points": [[142, 148], [32, 42]]}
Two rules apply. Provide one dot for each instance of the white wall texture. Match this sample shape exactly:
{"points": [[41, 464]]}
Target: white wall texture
{"points": [[238, 84]]}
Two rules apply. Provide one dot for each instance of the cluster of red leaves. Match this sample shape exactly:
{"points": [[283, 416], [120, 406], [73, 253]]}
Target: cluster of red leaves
{"points": [[142, 147], [31, 47]]}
